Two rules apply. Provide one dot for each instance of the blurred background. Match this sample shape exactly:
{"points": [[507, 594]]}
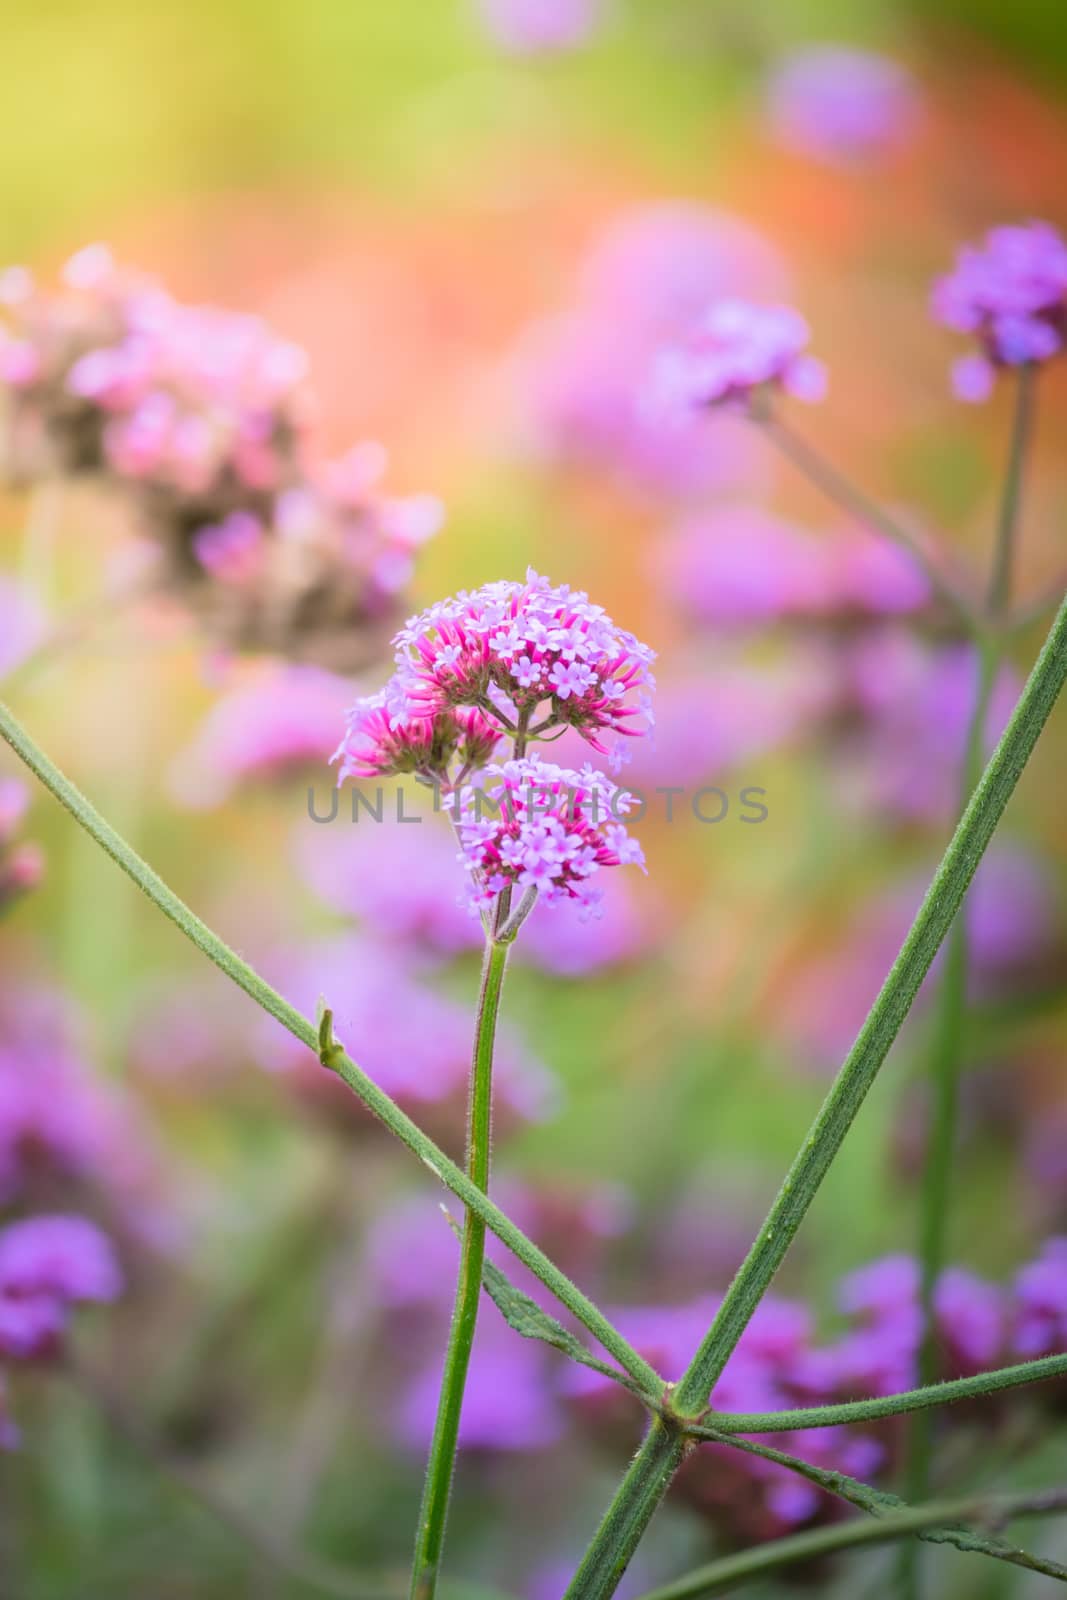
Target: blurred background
{"points": [[482, 222]]}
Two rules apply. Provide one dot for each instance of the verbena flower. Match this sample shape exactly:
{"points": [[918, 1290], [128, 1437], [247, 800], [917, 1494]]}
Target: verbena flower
{"points": [[643, 284], [383, 741], [1010, 292], [545, 828], [1040, 1294], [199, 417], [841, 105], [736, 352], [527, 651], [47, 1265]]}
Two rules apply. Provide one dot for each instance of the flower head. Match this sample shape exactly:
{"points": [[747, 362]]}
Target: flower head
{"points": [[547, 828], [381, 741], [737, 350], [510, 648], [48, 1264], [198, 417], [840, 105], [1011, 293]]}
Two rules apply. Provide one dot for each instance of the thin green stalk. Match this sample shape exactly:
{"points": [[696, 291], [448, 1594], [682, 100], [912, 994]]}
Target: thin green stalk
{"points": [[879, 1503], [718, 1577], [889, 1405], [647, 1482], [999, 598], [433, 1512], [950, 1025], [850, 499], [335, 1058]]}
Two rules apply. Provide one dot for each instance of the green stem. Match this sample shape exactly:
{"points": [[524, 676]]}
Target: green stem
{"points": [[630, 1512], [947, 1061], [718, 1577], [850, 499], [335, 1059], [433, 1512], [598, 1575], [889, 1405], [999, 598]]}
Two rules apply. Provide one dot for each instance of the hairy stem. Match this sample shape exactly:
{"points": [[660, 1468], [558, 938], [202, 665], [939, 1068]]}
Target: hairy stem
{"points": [[433, 1512], [336, 1059], [631, 1511], [718, 1577], [889, 1405]]}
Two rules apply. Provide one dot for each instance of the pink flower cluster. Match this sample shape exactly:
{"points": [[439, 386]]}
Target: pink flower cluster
{"points": [[48, 1264], [200, 416], [552, 832], [505, 651], [111, 371], [737, 352], [382, 741], [1011, 293], [21, 865], [845, 106], [644, 283]]}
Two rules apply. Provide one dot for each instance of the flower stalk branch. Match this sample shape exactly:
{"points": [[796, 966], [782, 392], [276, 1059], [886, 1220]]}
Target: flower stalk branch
{"points": [[650, 1474]]}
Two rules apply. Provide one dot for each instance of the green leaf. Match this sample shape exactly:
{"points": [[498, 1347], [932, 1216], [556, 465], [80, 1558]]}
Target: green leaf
{"points": [[881, 1503]]}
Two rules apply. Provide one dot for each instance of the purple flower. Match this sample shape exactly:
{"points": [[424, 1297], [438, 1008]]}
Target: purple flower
{"points": [[1010, 292], [736, 350], [840, 105], [48, 1264], [578, 664], [1041, 1302], [910, 706], [231, 550], [543, 827], [385, 738], [534, 27], [645, 282], [199, 418]]}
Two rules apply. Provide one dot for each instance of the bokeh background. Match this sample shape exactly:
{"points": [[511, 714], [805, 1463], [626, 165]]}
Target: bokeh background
{"points": [[480, 244]]}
